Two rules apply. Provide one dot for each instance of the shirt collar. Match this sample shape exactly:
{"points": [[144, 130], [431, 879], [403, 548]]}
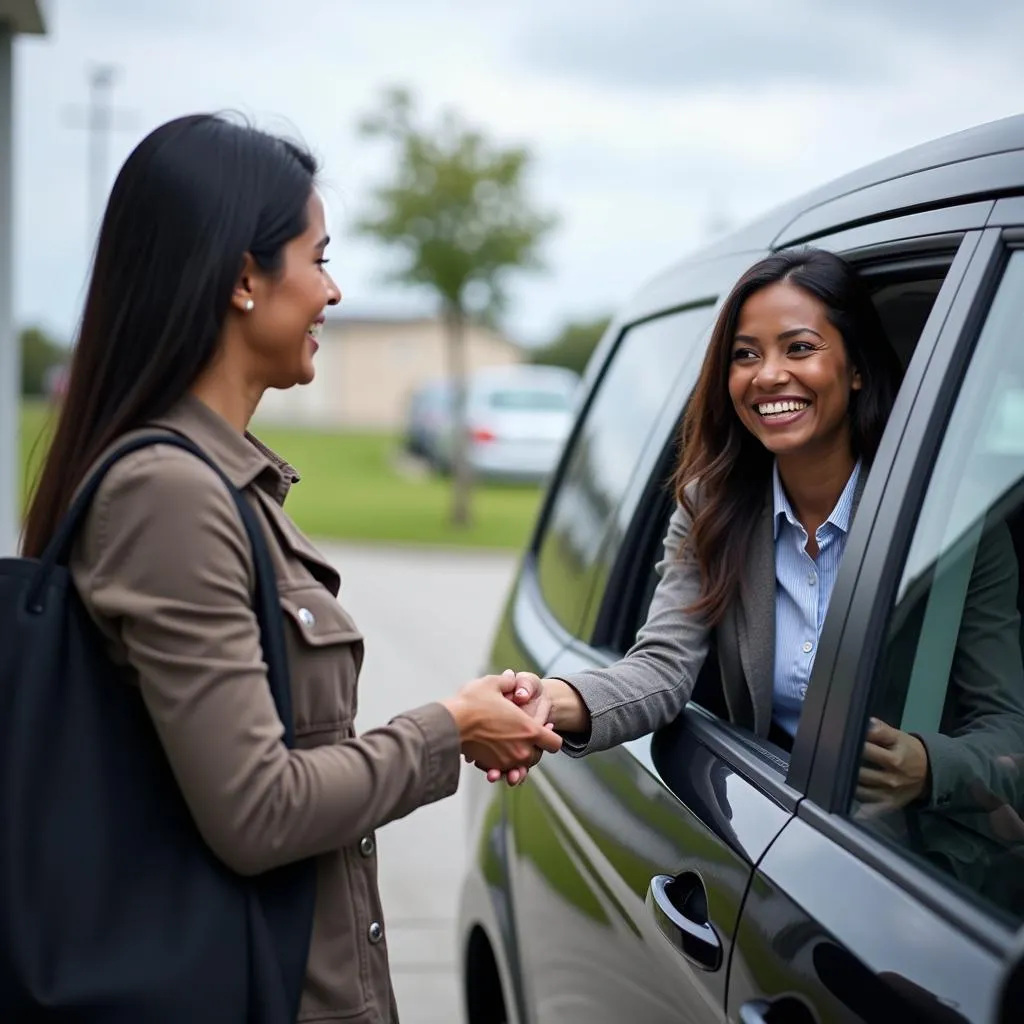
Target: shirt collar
{"points": [[243, 457], [840, 516]]}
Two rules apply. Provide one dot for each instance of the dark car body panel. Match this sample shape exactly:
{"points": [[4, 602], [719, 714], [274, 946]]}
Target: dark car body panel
{"points": [[775, 907]]}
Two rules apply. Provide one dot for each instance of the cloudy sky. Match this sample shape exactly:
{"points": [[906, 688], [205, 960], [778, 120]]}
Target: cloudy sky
{"points": [[651, 121]]}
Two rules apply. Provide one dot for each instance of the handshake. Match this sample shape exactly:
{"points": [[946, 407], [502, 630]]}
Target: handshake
{"points": [[506, 723]]}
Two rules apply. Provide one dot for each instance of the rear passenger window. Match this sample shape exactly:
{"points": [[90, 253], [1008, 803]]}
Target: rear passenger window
{"points": [[607, 451], [952, 674]]}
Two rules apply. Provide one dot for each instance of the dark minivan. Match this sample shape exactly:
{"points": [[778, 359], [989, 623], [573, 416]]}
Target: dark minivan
{"points": [[702, 874]]}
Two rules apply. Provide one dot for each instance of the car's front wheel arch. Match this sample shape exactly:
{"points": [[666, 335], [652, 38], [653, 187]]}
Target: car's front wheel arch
{"points": [[484, 996]]}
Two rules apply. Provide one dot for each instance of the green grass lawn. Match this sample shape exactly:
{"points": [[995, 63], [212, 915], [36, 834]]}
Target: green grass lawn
{"points": [[36, 424], [352, 489]]}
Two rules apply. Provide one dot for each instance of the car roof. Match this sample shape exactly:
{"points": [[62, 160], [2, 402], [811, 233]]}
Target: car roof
{"points": [[1002, 136]]}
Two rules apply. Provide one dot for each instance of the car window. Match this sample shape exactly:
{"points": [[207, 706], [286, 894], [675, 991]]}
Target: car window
{"points": [[952, 672], [610, 445], [521, 400]]}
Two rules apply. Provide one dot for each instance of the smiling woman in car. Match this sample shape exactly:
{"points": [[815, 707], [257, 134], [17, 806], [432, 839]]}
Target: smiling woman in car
{"points": [[793, 397]]}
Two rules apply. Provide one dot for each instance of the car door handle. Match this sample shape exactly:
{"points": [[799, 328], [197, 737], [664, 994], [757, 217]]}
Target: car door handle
{"points": [[680, 908], [755, 1013], [787, 1010]]}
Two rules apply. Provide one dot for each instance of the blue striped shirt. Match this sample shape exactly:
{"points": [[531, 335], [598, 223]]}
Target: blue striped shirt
{"points": [[803, 587]]}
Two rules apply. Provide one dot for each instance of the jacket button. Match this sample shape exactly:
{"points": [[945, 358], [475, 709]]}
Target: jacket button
{"points": [[307, 618], [375, 932], [367, 846]]}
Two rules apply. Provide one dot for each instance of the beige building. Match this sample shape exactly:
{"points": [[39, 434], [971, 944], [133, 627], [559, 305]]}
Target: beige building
{"points": [[367, 367]]}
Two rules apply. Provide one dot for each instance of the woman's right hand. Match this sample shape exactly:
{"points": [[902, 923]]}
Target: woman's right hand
{"points": [[551, 701], [495, 734]]}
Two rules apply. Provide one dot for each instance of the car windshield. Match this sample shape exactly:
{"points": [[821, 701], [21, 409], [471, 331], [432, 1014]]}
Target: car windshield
{"points": [[532, 400]]}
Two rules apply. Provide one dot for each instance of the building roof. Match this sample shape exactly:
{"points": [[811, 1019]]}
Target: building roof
{"points": [[364, 316], [407, 309]]}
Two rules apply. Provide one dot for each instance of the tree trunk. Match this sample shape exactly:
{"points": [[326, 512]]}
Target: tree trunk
{"points": [[462, 482]]}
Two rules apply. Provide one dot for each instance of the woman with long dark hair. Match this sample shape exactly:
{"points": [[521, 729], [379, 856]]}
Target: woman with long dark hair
{"points": [[209, 287], [792, 400]]}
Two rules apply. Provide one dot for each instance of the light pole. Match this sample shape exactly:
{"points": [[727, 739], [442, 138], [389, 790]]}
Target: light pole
{"points": [[100, 119]]}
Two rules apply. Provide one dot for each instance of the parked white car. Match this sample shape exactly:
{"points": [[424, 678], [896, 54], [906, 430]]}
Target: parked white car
{"points": [[518, 419]]}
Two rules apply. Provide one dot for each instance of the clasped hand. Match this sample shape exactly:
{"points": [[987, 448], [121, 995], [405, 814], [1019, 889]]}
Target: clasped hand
{"points": [[894, 772], [503, 732]]}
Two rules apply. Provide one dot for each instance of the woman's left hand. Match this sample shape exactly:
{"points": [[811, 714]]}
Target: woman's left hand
{"points": [[895, 772], [529, 695]]}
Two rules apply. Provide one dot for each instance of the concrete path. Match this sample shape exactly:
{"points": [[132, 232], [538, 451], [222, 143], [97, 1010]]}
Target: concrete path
{"points": [[428, 617]]}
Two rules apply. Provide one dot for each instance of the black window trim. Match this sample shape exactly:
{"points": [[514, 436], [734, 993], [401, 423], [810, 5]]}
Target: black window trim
{"points": [[906, 469]]}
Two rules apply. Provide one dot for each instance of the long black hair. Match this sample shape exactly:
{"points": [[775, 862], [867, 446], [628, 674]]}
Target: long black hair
{"points": [[193, 198], [729, 465]]}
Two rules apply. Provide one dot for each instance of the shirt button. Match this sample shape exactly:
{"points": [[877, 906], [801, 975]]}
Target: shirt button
{"points": [[375, 933], [803, 690], [808, 647], [812, 579], [307, 618], [367, 846]]}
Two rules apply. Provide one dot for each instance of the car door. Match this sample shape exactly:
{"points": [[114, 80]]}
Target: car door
{"points": [[911, 913], [632, 864], [573, 940]]}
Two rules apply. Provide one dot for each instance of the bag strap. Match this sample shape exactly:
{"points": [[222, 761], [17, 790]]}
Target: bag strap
{"points": [[265, 601]]}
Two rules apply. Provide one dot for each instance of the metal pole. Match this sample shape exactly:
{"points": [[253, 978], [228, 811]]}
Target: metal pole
{"points": [[100, 122], [10, 353]]}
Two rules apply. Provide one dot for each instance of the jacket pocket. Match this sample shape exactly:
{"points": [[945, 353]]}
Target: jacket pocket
{"points": [[317, 616], [325, 658]]}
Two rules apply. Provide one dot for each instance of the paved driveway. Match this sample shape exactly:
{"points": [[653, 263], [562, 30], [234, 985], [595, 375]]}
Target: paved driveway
{"points": [[427, 617]]}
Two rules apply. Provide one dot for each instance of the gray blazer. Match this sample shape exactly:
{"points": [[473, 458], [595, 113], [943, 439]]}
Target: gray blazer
{"points": [[651, 684]]}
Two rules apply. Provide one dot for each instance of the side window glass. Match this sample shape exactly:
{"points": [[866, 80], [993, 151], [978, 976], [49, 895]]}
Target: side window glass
{"points": [[952, 675], [606, 452]]}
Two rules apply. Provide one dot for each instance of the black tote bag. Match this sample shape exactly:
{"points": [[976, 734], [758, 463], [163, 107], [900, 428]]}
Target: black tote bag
{"points": [[112, 908]]}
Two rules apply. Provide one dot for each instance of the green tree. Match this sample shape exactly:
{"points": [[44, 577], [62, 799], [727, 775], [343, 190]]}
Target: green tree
{"points": [[456, 210], [39, 354], [573, 346]]}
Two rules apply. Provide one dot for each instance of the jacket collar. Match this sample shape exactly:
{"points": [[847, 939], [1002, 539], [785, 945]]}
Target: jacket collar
{"points": [[840, 517], [243, 457]]}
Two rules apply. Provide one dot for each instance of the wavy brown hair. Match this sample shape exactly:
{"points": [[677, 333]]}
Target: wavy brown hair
{"points": [[724, 461]]}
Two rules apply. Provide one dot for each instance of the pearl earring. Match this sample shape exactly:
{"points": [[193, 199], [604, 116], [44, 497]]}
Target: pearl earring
{"points": [[249, 305]]}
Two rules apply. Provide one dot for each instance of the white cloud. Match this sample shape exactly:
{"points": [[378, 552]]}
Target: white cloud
{"points": [[635, 169], [675, 45]]}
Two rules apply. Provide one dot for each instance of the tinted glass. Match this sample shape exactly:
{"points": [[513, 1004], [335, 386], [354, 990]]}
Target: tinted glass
{"points": [[950, 688], [530, 401], [613, 442]]}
